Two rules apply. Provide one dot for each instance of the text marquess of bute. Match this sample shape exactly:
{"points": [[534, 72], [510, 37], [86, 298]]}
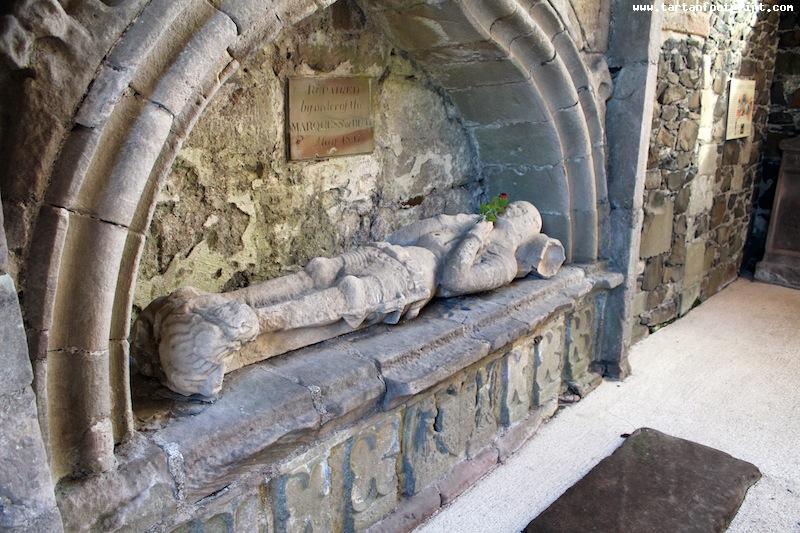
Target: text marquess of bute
{"points": [[190, 339]]}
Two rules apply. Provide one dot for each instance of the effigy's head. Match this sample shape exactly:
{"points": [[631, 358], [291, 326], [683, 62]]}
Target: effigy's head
{"points": [[520, 221], [191, 336]]}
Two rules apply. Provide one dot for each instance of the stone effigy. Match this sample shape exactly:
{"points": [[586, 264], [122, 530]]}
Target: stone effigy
{"points": [[190, 339]]}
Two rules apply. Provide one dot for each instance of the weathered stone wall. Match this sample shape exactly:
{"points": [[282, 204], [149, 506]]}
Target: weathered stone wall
{"points": [[783, 123], [698, 187], [234, 211]]}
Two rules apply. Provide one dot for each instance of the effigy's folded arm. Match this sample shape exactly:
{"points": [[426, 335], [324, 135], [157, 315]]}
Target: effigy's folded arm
{"points": [[468, 270]]}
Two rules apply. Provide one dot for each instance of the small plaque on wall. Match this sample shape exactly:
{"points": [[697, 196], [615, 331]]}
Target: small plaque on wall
{"points": [[329, 117], [740, 109]]}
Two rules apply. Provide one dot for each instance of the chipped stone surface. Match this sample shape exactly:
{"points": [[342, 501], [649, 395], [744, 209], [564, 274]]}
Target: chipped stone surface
{"points": [[436, 431], [371, 481], [517, 382], [308, 499], [549, 353], [581, 339]]}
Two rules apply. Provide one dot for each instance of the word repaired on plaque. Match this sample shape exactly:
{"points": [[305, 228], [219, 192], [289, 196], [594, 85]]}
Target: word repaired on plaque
{"points": [[329, 117]]}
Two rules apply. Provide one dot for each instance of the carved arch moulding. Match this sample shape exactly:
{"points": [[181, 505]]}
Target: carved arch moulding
{"points": [[132, 79]]}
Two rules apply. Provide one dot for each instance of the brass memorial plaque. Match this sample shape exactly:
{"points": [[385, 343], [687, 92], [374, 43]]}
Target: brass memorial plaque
{"points": [[330, 117]]}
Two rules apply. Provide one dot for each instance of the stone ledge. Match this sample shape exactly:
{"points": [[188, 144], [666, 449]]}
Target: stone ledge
{"points": [[274, 410]]}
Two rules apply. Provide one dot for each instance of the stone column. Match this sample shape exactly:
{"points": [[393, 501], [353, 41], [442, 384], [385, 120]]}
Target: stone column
{"points": [[26, 489], [634, 47]]}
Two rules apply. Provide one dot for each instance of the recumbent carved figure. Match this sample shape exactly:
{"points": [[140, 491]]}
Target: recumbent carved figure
{"points": [[190, 339]]}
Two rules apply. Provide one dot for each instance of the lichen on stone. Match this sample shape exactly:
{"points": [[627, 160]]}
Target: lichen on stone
{"points": [[234, 211]]}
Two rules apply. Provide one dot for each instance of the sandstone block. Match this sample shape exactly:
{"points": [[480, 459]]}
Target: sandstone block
{"points": [[406, 376], [507, 29], [120, 390], [412, 512], [487, 406], [547, 19], [309, 498], [435, 434], [694, 267], [123, 301], [687, 135], [489, 12], [246, 14], [548, 363], [107, 89], [141, 38], [74, 165], [426, 26], [491, 104], [555, 82], [81, 433], [195, 69], [689, 298], [44, 266], [370, 470], [533, 49], [90, 261], [546, 188], [585, 238], [707, 159], [571, 124], [701, 195], [121, 193], [517, 383], [466, 473], [516, 436], [524, 143], [342, 383], [581, 336], [459, 75], [657, 228], [256, 410]]}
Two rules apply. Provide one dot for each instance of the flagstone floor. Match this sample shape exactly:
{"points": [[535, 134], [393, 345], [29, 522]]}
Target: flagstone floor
{"points": [[727, 375]]}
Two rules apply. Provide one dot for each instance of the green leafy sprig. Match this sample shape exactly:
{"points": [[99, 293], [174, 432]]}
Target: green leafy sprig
{"points": [[494, 207]]}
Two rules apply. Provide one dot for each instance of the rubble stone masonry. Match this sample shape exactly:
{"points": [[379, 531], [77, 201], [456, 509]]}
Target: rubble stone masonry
{"points": [[699, 186]]}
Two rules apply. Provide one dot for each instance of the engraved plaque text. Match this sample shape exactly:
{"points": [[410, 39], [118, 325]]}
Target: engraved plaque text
{"points": [[329, 117]]}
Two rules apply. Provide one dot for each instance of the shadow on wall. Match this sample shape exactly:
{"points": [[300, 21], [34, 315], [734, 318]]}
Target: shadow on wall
{"points": [[783, 123]]}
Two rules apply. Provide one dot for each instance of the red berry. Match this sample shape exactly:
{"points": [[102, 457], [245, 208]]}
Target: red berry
{"points": [[503, 196]]}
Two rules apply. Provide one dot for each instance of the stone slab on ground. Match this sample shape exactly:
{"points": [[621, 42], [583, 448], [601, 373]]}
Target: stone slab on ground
{"points": [[653, 482], [779, 270]]}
